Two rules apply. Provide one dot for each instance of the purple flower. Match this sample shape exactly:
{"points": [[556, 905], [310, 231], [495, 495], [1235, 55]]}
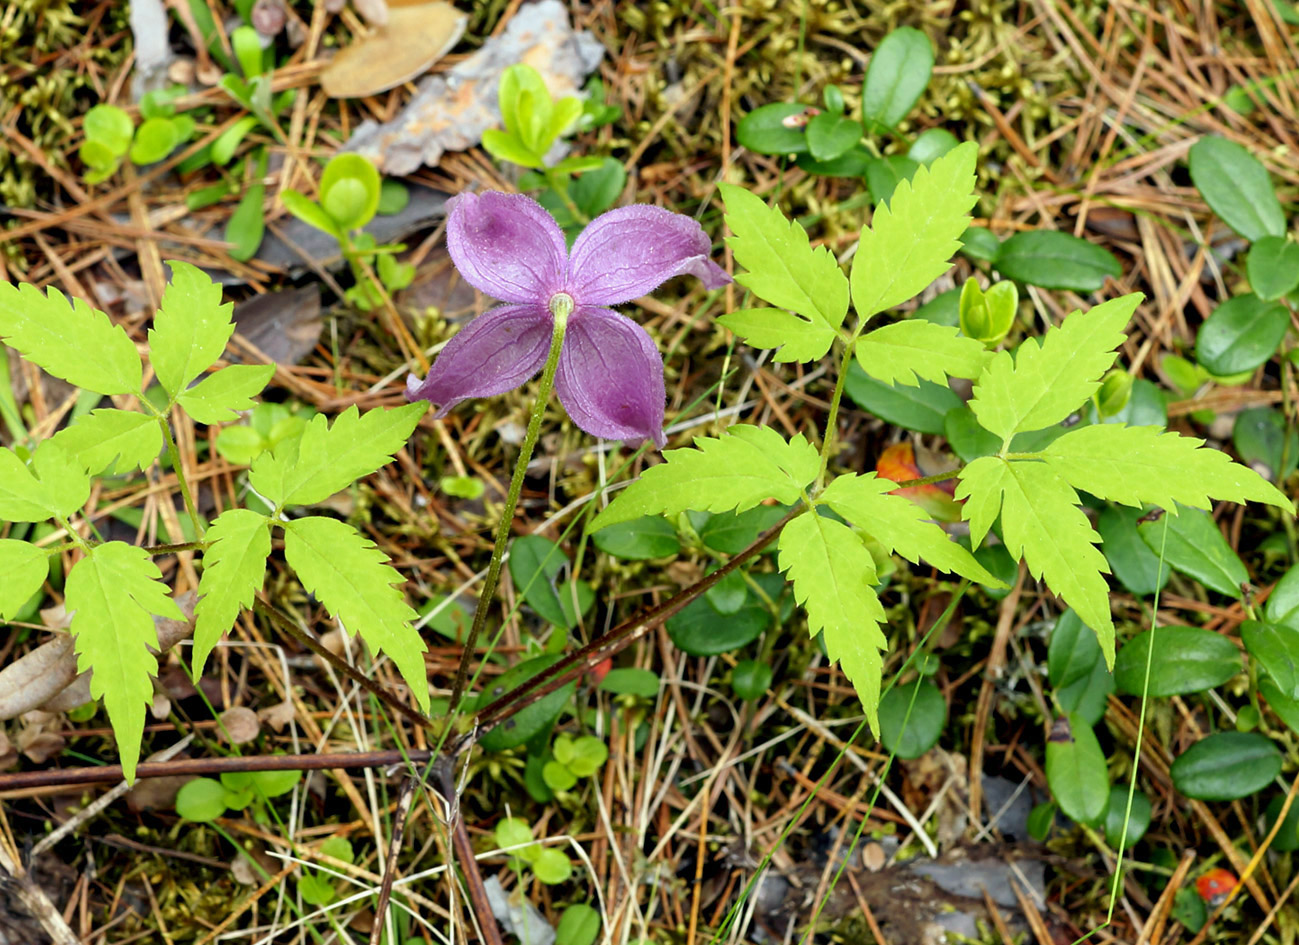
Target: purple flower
{"points": [[610, 374]]}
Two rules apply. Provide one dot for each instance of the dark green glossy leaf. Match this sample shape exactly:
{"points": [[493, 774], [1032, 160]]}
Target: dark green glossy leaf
{"points": [[884, 174], [530, 720], [997, 560], [595, 191], [1055, 260], [701, 630], [898, 73], [1226, 766], [730, 533], [1196, 548], [1075, 770], [1273, 267], [1185, 659], [1283, 602], [1267, 443], [535, 565], [1131, 560], [944, 309], [979, 242], [912, 719], [932, 144], [639, 540], [1287, 709], [630, 681], [831, 136], [1242, 333], [1040, 820], [1287, 838], [764, 131], [852, 163], [923, 408], [1147, 406], [1076, 669], [1236, 186], [1276, 648], [751, 679], [1138, 820]]}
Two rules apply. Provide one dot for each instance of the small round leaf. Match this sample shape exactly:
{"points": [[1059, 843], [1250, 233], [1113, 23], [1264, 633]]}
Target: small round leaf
{"points": [[1241, 334], [909, 730], [201, 800], [751, 679]]}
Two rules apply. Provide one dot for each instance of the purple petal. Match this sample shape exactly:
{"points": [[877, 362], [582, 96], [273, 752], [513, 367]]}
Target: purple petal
{"points": [[507, 246], [496, 352], [631, 251], [610, 377]]}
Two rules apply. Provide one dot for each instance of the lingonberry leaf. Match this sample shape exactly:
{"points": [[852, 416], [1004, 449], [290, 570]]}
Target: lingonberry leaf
{"points": [[353, 579], [913, 238], [833, 577], [113, 594], [735, 471], [190, 330], [70, 340], [234, 567]]}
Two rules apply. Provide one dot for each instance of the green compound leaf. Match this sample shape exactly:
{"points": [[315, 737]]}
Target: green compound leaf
{"points": [[190, 330], [70, 340], [113, 595], [1042, 523], [353, 579], [785, 271], [234, 567], [913, 238], [735, 471], [833, 576], [1136, 465], [900, 525], [327, 459], [1049, 379], [219, 396], [904, 352], [112, 441], [54, 484], [1236, 186], [24, 568], [797, 338]]}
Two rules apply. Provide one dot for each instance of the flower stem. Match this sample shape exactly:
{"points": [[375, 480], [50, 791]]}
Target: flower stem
{"points": [[561, 307]]}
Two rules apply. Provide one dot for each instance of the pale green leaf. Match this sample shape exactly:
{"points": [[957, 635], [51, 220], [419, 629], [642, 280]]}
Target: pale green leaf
{"points": [[113, 595], [234, 567], [22, 497], [1042, 523], [735, 471], [353, 579], [783, 269], [796, 338], [24, 568], [833, 577], [69, 340], [905, 352], [327, 459], [901, 525], [218, 396], [912, 239], [1049, 379], [190, 330], [65, 483], [112, 441], [53, 485], [1139, 465]]}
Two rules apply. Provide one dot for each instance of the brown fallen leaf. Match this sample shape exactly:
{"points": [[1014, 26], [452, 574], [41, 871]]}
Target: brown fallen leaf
{"points": [[402, 49]]}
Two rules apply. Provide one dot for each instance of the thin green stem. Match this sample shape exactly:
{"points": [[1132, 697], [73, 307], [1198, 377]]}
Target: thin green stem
{"points": [[560, 187], [561, 307], [832, 421], [173, 454]]}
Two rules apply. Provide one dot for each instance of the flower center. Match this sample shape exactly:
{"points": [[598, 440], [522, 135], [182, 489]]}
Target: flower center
{"points": [[561, 306]]}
